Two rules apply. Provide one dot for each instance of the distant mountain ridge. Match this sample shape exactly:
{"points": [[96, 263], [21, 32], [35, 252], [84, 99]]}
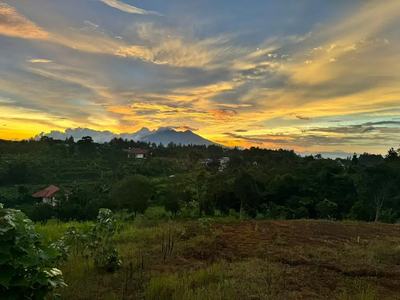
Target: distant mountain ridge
{"points": [[169, 135], [163, 135]]}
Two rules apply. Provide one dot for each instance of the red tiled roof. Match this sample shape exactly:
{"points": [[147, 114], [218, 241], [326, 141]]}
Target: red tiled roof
{"points": [[138, 151], [47, 192]]}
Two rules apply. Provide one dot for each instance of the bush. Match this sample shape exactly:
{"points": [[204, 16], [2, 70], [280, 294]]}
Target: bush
{"points": [[105, 255], [41, 212], [94, 243], [27, 266], [326, 208], [301, 213], [133, 193]]}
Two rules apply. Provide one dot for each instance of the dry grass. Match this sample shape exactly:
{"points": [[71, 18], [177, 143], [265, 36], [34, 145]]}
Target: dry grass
{"points": [[247, 260]]}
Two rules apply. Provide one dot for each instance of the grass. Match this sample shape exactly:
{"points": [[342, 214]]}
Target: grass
{"points": [[358, 289], [53, 231], [242, 261]]}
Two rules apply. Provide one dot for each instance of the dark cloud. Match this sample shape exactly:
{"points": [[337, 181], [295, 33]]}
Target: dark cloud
{"points": [[147, 112], [241, 130], [357, 128], [223, 112], [368, 129], [311, 140], [256, 138], [166, 79], [302, 117], [382, 123]]}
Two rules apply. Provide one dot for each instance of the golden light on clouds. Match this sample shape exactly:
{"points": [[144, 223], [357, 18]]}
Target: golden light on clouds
{"points": [[270, 85], [15, 25]]}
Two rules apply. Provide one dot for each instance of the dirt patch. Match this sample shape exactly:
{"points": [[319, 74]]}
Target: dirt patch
{"points": [[328, 252]]}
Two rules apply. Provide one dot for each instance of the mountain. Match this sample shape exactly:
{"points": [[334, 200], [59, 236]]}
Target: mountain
{"points": [[136, 135], [97, 136], [164, 135], [168, 135]]}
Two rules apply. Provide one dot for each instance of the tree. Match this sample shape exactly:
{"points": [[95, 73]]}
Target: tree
{"points": [[354, 160], [199, 179], [71, 145], [392, 154], [133, 193], [374, 185], [326, 208], [86, 145], [176, 194], [246, 190]]}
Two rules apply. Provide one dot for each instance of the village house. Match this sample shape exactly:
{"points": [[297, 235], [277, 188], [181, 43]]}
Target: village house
{"points": [[223, 162], [137, 153], [49, 195]]}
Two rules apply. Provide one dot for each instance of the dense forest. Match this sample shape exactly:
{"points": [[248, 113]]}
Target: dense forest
{"points": [[189, 181]]}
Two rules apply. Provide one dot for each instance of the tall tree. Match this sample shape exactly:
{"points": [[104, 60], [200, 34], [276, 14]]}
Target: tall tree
{"points": [[133, 193]]}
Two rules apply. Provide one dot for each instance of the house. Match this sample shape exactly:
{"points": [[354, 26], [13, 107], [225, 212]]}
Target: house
{"points": [[137, 153], [48, 195], [224, 162]]}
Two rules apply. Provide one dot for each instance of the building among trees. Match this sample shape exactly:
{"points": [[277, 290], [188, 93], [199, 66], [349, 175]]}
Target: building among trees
{"points": [[137, 153], [48, 195]]}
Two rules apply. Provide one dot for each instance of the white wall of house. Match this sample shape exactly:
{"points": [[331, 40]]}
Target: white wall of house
{"points": [[139, 156], [50, 200]]}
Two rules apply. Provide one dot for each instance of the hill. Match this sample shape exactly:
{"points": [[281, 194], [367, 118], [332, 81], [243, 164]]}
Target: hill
{"points": [[168, 135]]}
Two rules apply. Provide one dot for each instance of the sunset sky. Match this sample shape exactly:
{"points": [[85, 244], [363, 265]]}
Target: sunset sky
{"points": [[316, 75]]}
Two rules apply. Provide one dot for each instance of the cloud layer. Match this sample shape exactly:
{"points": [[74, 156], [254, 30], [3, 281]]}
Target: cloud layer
{"points": [[15, 25], [129, 8], [323, 76]]}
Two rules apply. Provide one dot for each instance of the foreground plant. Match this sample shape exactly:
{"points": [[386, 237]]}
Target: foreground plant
{"points": [[27, 266], [167, 243], [103, 252]]}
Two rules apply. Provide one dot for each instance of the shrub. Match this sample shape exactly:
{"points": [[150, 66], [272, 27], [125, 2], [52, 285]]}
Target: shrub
{"points": [[301, 213], [326, 208], [41, 212], [205, 225], [105, 255], [96, 243], [27, 266]]}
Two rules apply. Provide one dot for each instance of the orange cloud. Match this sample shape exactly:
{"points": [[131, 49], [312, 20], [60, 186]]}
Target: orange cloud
{"points": [[15, 25]]}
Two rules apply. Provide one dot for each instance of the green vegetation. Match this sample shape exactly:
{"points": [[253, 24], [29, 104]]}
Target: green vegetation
{"points": [[152, 258], [176, 226], [27, 265], [256, 183]]}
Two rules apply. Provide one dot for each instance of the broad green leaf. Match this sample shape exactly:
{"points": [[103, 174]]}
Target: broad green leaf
{"points": [[27, 261], [6, 273], [48, 253], [5, 249], [19, 281], [40, 294], [42, 278], [5, 257]]}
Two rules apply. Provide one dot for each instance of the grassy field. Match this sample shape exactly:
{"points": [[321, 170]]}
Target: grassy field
{"points": [[243, 260]]}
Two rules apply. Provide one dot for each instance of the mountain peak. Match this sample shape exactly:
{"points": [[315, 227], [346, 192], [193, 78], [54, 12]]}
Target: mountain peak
{"points": [[161, 129], [166, 135]]}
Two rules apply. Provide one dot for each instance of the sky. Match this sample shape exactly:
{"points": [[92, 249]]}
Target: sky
{"points": [[309, 75]]}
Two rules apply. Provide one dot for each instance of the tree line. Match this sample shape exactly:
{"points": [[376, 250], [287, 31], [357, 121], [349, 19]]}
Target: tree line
{"points": [[257, 183]]}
